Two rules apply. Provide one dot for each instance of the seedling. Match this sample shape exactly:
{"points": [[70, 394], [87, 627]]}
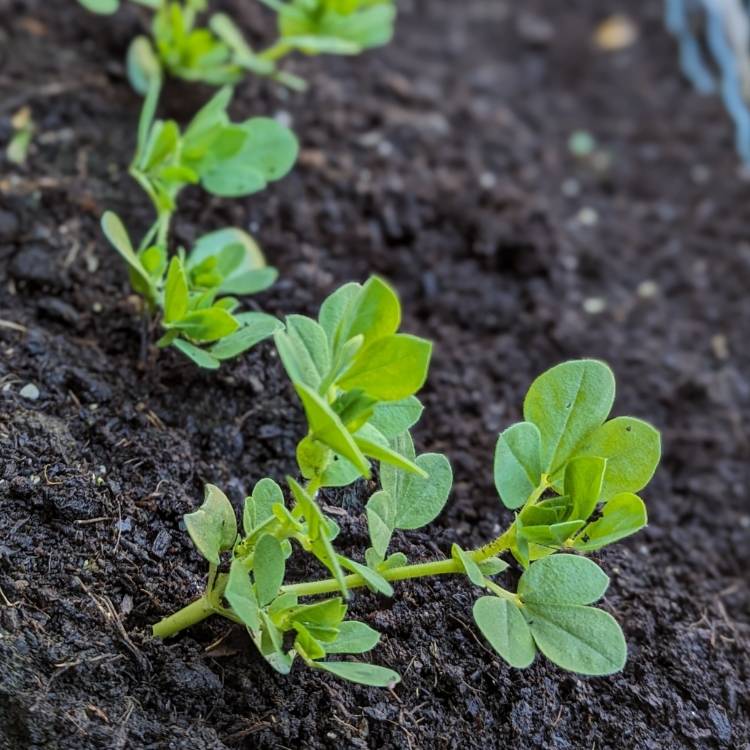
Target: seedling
{"points": [[23, 131], [218, 53], [227, 159], [569, 475]]}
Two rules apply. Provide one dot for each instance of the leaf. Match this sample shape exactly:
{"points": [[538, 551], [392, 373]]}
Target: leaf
{"points": [[566, 403], [562, 579], [468, 565], [115, 232], [353, 638], [376, 450], [240, 595], [381, 520], [553, 534], [581, 639], [103, 7], [503, 625], [418, 501], [259, 506], [391, 418], [201, 357], [517, 466], [390, 368], [303, 348], [326, 427], [207, 325], [334, 310], [622, 516], [175, 292], [142, 65], [360, 672], [253, 330], [375, 582], [492, 566], [583, 483], [211, 245], [632, 449], [213, 527], [249, 282], [268, 568], [206, 124], [373, 313]]}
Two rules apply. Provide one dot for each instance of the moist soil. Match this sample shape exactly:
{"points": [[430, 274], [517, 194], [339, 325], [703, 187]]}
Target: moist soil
{"points": [[442, 162]]}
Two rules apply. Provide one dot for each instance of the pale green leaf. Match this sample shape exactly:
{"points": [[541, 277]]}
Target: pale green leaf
{"points": [[268, 568], [563, 579], [213, 527], [381, 520], [334, 310], [517, 467], [253, 330], [580, 639], [583, 484], [375, 581], [503, 625], [373, 313], [207, 325], [391, 418], [201, 357], [468, 565], [240, 595], [303, 348], [361, 672], [622, 516], [175, 292], [566, 403], [353, 638]]}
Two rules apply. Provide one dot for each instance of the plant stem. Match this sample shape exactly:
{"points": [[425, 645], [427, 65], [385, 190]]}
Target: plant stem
{"points": [[275, 52], [194, 613]]}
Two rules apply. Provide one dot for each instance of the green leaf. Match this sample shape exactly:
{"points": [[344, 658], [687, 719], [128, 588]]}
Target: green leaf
{"points": [[326, 427], [553, 534], [390, 368], [249, 282], [213, 527], [142, 65], [632, 449], [503, 625], [175, 292], [583, 483], [376, 450], [373, 313], [622, 516], [517, 466], [581, 639], [562, 579], [268, 568], [381, 521], [468, 565], [240, 595], [115, 232], [391, 418], [201, 357], [334, 310], [259, 506], [207, 325], [353, 638], [212, 244], [566, 403], [418, 501], [254, 330], [303, 349], [103, 7], [375, 582], [492, 566], [360, 672]]}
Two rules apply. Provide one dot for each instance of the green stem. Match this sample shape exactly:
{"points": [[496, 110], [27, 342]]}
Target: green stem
{"points": [[275, 52], [194, 613]]}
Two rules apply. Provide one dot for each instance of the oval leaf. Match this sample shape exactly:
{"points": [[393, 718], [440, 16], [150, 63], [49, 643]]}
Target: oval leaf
{"points": [[361, 672], [563, 579], [213, 527], [503, 625], [268, 568], [517, 466], [622, 516]]}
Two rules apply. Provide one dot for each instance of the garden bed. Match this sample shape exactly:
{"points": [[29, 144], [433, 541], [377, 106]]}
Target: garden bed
{"points": [[441, 162]]}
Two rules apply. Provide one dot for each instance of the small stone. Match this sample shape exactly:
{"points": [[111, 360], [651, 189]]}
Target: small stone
{"points": [[588, 217], [30, 392], [36, 264], [648, 289], [720, 346], [581, 143], [594, 305]]}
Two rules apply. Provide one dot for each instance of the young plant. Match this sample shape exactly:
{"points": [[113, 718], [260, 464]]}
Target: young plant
{"points": [[227, 159], [569, 474], [218, 53]]}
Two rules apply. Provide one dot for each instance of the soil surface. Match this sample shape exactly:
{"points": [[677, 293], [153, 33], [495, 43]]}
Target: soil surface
{"points": [[442, 162]]}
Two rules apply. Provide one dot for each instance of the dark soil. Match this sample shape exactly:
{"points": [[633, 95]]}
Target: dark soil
{"points": [[443, 163]]}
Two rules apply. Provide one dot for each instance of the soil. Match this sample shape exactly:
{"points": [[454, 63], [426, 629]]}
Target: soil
{"points": [[442, 162]]}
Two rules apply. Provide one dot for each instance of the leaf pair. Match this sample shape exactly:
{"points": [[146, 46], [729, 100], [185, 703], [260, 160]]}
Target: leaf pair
{"points": [[550, 614], [339, 27], [228, 159], [347, 368]]}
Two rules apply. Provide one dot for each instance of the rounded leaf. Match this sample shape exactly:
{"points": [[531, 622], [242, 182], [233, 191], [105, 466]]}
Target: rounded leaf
{"points": [[563, 579], [517, 467], [503, 625], [213, 527]]}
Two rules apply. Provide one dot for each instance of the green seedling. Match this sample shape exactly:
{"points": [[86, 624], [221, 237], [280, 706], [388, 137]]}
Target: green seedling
{"points": [[195, 292], [568, 473], [218, 53]]}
